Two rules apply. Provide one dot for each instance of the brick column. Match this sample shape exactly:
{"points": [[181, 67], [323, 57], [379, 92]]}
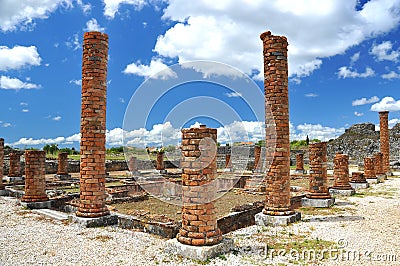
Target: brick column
{"points": [[228, 162], [15, 166], [318, 171], [199, 169], [341, 172], [369, 167], [62, 163], [358, 177], [132, 164], [160, 161], [384, 139], [378, 162], [257, 155], [35, 183], [277, 127], [93, 126], [1, 163], [300, 162]]}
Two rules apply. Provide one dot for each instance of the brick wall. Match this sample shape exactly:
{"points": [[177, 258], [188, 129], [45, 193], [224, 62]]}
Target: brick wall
{"points": [[35, 183]]}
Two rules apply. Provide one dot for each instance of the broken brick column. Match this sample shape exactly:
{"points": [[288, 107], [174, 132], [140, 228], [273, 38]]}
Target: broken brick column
{"points": [[384, 139], [15, 166], [228, 162], [257, 155], [341, 175], [358, 177], [199, 169], [133, 165], [300, 163], [160, 161], [277, 181], [62, 168], [378, 162], [318, 171], [35, 183], [369, 168], [93, 126], [1, 163]]}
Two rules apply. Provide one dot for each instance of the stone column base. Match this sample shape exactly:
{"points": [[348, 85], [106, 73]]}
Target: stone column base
{"points": [[202, 253], [373, 180], [96, 222], [381, 178], [12, 179], [318, 203], [300, 172], [276, 220], [63, 176], [37, 204], [342, 192], [356, 185], [3, 192]]}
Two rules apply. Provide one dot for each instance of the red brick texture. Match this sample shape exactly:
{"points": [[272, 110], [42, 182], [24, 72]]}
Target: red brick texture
{"points": [[358, 177], [1, 163], [15, 166], [257, 155], [132, 164], [199, 169], [62, 163], [369, 167], [318, 171], [160, 161], [35, 183], [93, 126], [384, 139], [341, 171], [299, 162], [378, 161], [276, 125], [228, 162]]}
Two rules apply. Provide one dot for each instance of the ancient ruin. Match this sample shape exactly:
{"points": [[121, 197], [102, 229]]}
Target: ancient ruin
{"points": [[257, 155], [369, 168], [300, 164], [341, 184], [62, 169], [160, 161], [15, 167], [358, 180], [384, 140], [2, 187]]}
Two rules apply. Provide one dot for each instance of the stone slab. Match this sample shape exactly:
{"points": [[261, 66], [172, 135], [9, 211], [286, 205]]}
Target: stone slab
{"points": [[201, 253], [3, 192], [53, 214], [63, 177], [373, 180], [359, 185], [12, 179], [318, 203], [300, 172], [37, 205], [95, 222], [341, 192], [276, 220]]}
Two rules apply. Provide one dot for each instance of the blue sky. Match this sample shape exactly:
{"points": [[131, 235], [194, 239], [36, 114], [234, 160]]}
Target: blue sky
{"points": [[343, 64]]}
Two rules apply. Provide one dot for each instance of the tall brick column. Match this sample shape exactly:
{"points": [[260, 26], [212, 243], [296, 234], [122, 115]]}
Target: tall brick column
{"points": [[384, 139], [199, 169], [1, 163], [369, 168], [35, 183], [341, 175], [93, 126], [277, 181], [15, 166], [257, 155], [160, 161]]}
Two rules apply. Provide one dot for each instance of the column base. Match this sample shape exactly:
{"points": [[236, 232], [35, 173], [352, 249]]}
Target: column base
{"points": [[63, 176], [96, 221], [276, 220], [201, 253], [11, 179], [381, 178], [318, 203], [342, 192], [36, 204], [300, 172], [356, 185], [373, 180]]}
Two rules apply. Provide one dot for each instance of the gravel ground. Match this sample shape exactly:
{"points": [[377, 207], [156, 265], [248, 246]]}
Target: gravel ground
{"points": [[368, 225]]}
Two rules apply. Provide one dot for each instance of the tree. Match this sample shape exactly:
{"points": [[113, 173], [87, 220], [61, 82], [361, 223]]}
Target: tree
{"points": [[307, 140]]}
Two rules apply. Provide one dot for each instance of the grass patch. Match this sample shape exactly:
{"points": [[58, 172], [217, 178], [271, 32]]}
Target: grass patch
{"points": [[321, 211], [381, 194]]}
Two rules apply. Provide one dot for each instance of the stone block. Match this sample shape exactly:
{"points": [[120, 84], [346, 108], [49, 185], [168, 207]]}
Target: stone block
{"points": [[341, 192], [356, 186], [318, 203], [96, 222], [36, 204], [276, 220]]}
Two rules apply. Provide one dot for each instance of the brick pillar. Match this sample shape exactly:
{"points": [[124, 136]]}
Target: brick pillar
{"points": [[277, 127], [358, 177], [132, 164], [384, 139], [1, 163], [62, 163], [369, 167], [160, 161], [199, 169], [300, 162], [15, 166], [341, 171], [318, 171], [93, 126], [378, 162], [228, 162], [257, 155], [35, 183]]}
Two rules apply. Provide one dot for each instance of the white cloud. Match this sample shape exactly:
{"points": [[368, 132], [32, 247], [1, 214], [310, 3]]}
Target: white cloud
{"points": [[93, 25], [25, 110], [73, 42], [8, 83], [348, 72], [384, 51], [354, 58], [86, 7], [311, 95], [23, 104], [391, 75], [386, 104], [358, 114], [393, 122], [227, 31], [156, 70], [5, 124], [18, 57], [77, 82], [364, 100], [57, 118], [233, 94], [21, 14], [111, 6], [315, 131]]}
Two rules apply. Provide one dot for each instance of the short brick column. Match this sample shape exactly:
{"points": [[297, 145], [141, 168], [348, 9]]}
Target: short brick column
{"points": [[358, 177], [299, 163], [93, 126], [341, 171], [133, 165], [62, 168], [160, 161], [35, 183], [1, 163], [199, 169], [15, 165], [257, 156], [318, 171], [369, 168], [384, 139], [378, 162], [228, 162]]}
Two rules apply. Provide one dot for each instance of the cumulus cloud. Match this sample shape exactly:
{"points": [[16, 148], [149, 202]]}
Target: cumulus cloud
{"points": [[354, 58], [315, 131], [93, 25], [57, 118], [25, 110], [111, 6], [156, 70], [348, 72], [393, 122], [386, 104], [86, 7], [384, 51], [358, 114], [18, 57], [227, 31], [8, 83], [364, 100], [391, 75]]}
